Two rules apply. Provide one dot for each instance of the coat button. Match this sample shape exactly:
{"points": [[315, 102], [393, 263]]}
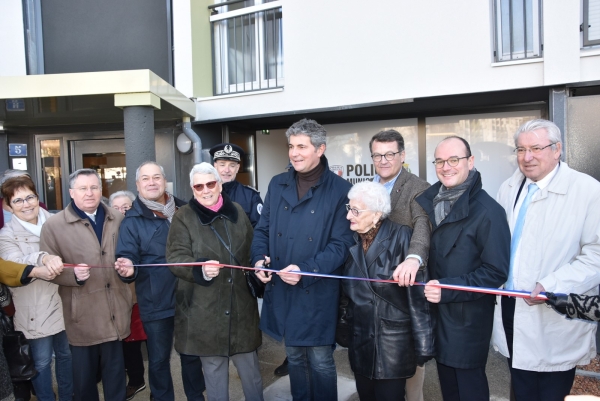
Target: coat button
{"points": [[312, 211], [113, 317], [103, 253], [277, 258], [316, 270], [107, 285], [32, 319], [371, 335], [279, 234], [310, 238], [229, 280], [227, 312], [87, 224], [307, 291], [285, 208]]}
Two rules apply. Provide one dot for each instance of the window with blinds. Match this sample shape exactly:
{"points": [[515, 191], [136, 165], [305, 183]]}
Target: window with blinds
{"points": [[518, 28], [591, 22]]}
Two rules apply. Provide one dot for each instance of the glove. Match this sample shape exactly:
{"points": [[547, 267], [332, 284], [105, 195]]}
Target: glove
{"points": [[558, 302], [422, 359]]}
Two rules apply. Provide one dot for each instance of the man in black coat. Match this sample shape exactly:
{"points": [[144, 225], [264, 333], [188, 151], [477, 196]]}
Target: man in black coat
{"points": [[226, 159], [470, 245]]}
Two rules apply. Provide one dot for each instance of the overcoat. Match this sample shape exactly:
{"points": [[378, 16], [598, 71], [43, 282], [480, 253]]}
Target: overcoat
{"points": [[99, 310], [313, 234], [217, 317], [11, 273], [391, 326], [143, 240], [38, 308], [560, 249], [471, 246]]}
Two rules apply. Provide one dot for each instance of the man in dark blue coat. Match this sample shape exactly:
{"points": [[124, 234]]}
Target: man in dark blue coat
{"points": [[470, 245], [142, 240], [226, 159], [303, 227]]}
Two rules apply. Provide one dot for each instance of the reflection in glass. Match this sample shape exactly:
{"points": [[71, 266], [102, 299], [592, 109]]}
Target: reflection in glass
{"points": [[51, 174], [112, 170]]}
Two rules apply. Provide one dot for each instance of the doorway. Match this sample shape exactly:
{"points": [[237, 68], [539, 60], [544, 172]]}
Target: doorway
{"points": [[107, 157]]}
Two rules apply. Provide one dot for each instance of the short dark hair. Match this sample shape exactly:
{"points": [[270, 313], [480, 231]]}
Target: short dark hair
{"points": [[12, 185], [388, 135], [463, 140]]}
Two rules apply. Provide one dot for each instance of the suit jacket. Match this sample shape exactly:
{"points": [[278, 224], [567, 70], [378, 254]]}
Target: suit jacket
{"points": [[406, 211]]}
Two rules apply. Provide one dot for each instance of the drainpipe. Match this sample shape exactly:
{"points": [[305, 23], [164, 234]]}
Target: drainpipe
{"points": [[196, 142]]}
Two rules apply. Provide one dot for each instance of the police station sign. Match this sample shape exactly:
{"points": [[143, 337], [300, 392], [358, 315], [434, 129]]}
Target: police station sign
{"points": [[348, 147]]}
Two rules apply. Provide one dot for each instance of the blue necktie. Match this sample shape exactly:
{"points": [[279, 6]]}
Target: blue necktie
{"points": [[516, 237]]}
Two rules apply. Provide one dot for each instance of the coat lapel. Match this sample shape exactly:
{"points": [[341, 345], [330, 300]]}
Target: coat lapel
{"points": [[397, 189]]}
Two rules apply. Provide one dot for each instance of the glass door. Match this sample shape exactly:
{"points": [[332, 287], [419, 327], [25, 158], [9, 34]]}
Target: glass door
{"points": [[107, 157]]}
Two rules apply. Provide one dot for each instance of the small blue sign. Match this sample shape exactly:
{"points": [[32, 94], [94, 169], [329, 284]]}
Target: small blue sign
{"points": [[17, 149], [15, 104]]}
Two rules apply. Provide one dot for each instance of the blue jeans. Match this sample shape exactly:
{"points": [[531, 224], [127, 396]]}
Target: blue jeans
{"points": [[192, 377], [160, 344], [312, 373], [41, 349]]}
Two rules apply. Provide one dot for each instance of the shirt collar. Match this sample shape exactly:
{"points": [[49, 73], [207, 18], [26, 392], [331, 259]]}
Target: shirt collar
{"points": [[388, 185], [543, 183]]}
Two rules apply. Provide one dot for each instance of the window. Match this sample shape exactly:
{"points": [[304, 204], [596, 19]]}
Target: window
{"points": [[518, 29], [591, 22], [247, 47]]}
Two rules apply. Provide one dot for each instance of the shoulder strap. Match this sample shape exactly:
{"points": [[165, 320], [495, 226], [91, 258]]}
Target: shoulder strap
{"points": [[228, 247]]}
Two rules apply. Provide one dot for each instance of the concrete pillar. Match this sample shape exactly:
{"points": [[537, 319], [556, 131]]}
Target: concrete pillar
{"points": [[558, 111], [139, 140]]}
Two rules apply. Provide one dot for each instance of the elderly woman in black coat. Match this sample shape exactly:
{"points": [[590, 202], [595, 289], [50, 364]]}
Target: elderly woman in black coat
{"points": [[216, 317], [391, 328]]}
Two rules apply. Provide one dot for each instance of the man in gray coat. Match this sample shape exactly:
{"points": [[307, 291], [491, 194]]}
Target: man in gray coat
{"points": [[387, 152]]}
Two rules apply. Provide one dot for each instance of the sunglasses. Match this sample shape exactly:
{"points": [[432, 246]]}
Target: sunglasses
{"points": [[209, 185]]}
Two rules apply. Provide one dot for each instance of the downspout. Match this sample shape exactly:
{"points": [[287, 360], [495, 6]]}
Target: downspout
{"points": [[196, 142]]}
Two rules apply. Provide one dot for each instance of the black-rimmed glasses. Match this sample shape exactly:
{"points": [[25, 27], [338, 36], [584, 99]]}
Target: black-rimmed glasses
{"points": [[452, 161], [389, 156]]}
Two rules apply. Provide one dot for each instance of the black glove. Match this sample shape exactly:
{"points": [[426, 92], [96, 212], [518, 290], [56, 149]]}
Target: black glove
{"points": [[558, 302], [422, 359]]}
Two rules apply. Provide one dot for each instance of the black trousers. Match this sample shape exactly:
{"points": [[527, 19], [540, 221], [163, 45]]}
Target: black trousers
{"points": [[463, 384], [379, 390], [85, 366], [530, 385], [134, 362]]}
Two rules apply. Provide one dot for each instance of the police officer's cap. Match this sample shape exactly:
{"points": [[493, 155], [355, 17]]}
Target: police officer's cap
{"points": [[227, 151]]}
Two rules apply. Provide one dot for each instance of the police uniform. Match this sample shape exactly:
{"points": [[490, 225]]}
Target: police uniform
{"points": [[248, 197]]}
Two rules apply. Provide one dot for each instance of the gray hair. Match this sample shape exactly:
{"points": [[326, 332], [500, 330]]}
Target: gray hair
{"points": [[137, 172], [373, 195], [119, 194], [83, 171], [551, 129], [11, 173], [204, 168], [310, 128]]}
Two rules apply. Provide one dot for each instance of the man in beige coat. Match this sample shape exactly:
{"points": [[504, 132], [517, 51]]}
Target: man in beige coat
{"points": [[96, 303], [387, 152]]}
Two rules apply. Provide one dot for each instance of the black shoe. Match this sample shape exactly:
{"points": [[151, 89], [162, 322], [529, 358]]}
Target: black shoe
{"points": [[282, 370], [131, 391]]}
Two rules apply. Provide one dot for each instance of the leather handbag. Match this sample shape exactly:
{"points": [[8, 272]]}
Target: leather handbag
{"points": [[17, 351]]}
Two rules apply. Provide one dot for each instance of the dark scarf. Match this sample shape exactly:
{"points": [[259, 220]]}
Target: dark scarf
{"points": [[368, 237], [304, 181], [207, 216], [444, 200], [97, 225]]}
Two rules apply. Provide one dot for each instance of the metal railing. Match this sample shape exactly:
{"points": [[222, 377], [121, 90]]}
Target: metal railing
{"points": [[247, 46]]}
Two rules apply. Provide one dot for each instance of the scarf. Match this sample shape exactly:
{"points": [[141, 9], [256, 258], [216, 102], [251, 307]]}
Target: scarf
{"points": [[304, 181], [35, 229], [167, 210], [217, 206], [444, 200], [368, 237]]}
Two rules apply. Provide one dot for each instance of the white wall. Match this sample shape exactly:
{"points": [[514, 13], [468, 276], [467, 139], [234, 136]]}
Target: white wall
{"points": [[12, 44], [346, 52], [182, 39]]}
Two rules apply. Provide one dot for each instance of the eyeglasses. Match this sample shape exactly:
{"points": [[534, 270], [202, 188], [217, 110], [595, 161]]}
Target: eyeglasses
{"points": [[452, 162], [355, 211], [534, 150], [84, 190], [209, 185], [123, 208], [20, 201], [389, 156]]}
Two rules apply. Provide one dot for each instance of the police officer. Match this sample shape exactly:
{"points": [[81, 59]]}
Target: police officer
{"points": [[226, 159]]}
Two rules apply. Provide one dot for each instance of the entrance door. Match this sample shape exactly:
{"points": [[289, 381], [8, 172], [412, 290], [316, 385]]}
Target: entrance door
{"points": [[107, 157]]}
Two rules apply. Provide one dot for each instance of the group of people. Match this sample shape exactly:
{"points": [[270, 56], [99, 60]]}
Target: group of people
{"points": [[72, 294]]}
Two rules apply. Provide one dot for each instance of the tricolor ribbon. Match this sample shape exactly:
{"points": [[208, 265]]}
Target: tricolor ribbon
{"points": [[482, 290]]}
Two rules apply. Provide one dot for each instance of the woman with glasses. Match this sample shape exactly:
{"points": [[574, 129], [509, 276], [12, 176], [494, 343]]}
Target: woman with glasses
{"points": [[216, 317], [38, 307], [391, 329]]}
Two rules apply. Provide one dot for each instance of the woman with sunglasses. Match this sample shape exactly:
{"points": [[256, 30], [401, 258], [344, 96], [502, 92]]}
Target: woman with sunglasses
{"points": [[390, 327], [216, 317], [38, 307]]}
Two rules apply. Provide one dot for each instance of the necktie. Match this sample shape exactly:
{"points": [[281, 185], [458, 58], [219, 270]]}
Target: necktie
{"points": [[516, 236]]}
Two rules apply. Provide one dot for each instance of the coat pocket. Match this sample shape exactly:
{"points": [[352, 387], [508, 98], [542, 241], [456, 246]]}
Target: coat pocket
{"points": [[397, 346]]}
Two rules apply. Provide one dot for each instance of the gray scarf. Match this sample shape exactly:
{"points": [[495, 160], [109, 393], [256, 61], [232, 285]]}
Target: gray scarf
{"points": [[168, 209], [444, 200]]}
